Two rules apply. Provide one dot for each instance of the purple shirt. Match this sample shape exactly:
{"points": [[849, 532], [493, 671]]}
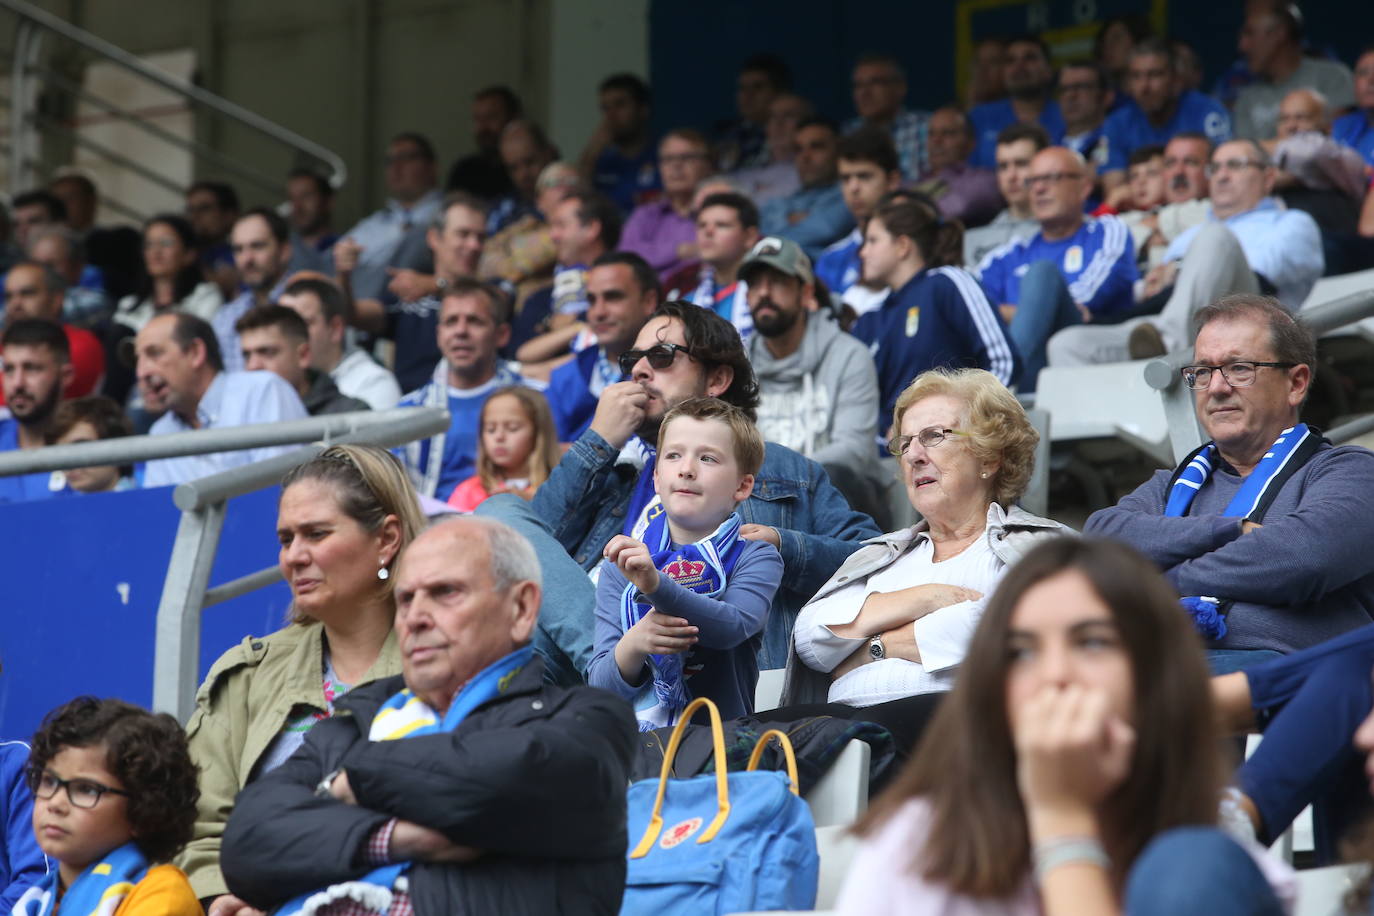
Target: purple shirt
{"points": [[964, 192], [654, 231]]}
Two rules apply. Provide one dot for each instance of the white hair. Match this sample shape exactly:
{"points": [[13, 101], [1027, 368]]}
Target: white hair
{"points": [[512, 555]]}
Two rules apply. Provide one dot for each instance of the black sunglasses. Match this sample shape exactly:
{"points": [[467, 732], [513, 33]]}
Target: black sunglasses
{"points": [[660, 356]]}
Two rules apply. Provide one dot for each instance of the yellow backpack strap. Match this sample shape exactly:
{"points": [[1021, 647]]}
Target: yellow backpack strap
{"points": [[787, 752], [722, 785]]}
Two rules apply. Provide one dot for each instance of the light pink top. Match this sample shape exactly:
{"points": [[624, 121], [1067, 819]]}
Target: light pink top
{"points": [[882, 880]]}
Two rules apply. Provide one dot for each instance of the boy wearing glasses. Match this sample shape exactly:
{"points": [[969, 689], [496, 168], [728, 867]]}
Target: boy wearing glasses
{"points": [[680, 613], [114, 794]]}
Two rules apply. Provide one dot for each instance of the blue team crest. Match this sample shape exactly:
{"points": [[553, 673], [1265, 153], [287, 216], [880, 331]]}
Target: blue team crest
{"points": [[913, 319], [1073, 259]]}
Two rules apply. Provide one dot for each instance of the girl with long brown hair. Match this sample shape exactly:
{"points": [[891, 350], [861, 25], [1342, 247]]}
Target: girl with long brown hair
{"points": [[1074, 769]]}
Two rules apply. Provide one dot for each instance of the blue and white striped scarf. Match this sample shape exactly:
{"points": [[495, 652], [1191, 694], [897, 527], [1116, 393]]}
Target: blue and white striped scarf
{"points": [[1289, 452], [704, 567]]}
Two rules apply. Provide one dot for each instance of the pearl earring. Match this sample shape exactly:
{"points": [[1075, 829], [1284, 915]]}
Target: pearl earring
{"points": [[385, 573], [985, 475]]}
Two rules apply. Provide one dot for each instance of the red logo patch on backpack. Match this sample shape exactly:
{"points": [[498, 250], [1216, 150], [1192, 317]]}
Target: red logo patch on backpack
{"points": [[679, 832]]}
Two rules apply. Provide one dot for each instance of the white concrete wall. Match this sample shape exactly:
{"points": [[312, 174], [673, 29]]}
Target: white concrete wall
{"points": [[350, 73]]}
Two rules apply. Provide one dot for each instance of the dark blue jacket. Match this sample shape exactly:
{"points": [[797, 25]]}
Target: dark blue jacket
{"points": [[22, 863]]}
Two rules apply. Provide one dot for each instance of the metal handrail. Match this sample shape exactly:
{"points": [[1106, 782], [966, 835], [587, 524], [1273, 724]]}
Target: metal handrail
{"points": [[215, 157], [415, 421], [186, 590], [31, 16]]}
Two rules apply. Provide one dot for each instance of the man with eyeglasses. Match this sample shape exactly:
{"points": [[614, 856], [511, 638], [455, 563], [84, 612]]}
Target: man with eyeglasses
{"points": [[394, 236], [663, 231], [1248, 243], [1076, 269], [879, 85], [1268, 519], [1159, 108], [604, 484]]}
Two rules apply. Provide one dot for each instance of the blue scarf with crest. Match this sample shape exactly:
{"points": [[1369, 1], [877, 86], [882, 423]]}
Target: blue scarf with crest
{"points": [[704, 567]]}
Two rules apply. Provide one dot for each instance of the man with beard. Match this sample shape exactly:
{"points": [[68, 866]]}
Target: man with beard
{"points": [[474, 323], [310, 199], [622, 292], [818, 388], [261, 244], [35, 291], [604, 484], [181, 376], [455, 237], [1028, 76], [37, 366]]}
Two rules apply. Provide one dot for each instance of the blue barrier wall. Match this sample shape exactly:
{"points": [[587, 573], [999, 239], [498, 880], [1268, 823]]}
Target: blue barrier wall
{"points": [[82, 580]]}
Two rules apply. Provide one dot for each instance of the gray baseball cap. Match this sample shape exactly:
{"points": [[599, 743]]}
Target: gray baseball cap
{"points": [[783, 255]]}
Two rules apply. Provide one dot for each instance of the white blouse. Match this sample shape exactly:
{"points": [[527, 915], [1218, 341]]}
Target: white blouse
{"points": [[942, 636]]}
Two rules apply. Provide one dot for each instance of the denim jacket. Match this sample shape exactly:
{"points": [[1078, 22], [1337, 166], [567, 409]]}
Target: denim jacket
{"points": [[585, 499]]}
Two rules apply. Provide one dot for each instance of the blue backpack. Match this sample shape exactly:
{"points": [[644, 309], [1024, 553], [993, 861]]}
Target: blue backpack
{"points": [[720, 842]]}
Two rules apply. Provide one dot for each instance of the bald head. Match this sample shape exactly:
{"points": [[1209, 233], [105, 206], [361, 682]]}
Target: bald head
{"points": [[1059, 181], [524, 152], [1303, 110]]}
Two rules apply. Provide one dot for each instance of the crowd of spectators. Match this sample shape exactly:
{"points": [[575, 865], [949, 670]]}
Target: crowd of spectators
{"points": [[682, 371]]}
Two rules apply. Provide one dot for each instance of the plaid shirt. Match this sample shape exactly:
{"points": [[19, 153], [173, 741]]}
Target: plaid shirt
{"points": [[909, 131], [378, 854]]}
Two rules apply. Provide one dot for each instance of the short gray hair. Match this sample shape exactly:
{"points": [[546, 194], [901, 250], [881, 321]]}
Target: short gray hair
{"points": [[512, 555]]}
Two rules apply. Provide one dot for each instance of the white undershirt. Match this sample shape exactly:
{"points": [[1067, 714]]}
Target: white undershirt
{"points": [[942, 636]]}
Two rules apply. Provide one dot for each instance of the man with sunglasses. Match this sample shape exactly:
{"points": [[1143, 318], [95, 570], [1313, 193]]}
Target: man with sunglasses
{"points": [[1249, 243], [604, 484], [1268, 519]]}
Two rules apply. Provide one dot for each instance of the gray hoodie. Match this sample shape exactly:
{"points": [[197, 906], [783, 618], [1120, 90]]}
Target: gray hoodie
{"points": [[822, 400]]}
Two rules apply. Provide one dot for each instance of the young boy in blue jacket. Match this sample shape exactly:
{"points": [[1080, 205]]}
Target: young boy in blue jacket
{"points": [[680, 612]]}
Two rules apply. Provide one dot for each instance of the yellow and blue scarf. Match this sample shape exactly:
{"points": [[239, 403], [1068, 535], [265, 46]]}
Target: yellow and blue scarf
{"points": [[97, 891], [403, 716]]}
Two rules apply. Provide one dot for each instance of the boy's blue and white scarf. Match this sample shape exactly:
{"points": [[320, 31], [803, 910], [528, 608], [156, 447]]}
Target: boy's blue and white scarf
{"points": [[704, 567], [97, 891], [1289, 453], [407, 716]]}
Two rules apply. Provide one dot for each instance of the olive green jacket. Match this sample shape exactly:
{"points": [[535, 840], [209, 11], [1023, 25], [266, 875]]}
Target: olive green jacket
{"points": [[251, 692]]}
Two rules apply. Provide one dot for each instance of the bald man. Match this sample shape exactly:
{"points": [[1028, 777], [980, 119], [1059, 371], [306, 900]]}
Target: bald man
{"points": [[1307, 157], [1076, 269]]}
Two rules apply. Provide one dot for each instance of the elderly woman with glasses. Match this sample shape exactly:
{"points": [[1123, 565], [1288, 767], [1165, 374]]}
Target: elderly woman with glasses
{"points": [[896, 618]]}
